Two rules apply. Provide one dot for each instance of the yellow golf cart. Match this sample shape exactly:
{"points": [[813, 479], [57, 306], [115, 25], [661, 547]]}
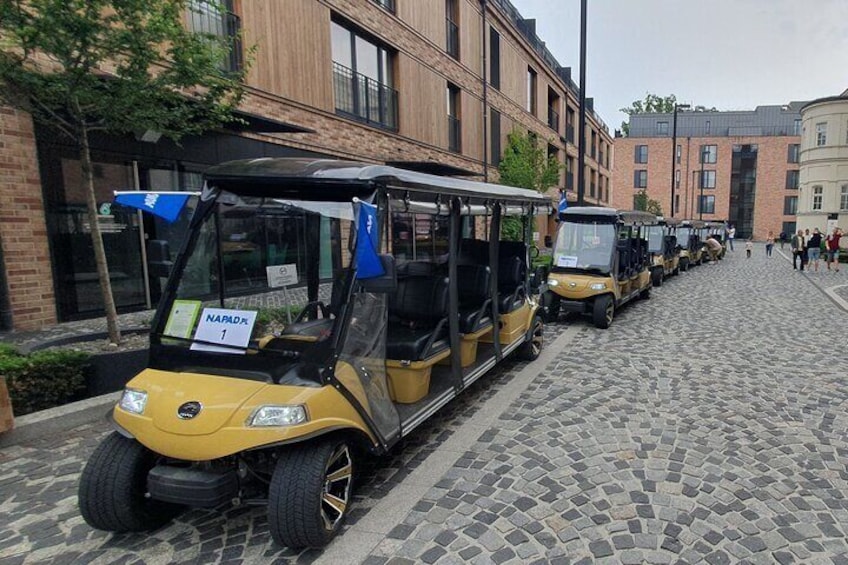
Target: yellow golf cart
{"points": [[318, 311], [600, 262], [690, 241], [662, 245]]}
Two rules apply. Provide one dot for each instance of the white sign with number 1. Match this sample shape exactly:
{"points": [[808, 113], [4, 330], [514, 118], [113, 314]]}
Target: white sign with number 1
{"points": [[225, 327]]}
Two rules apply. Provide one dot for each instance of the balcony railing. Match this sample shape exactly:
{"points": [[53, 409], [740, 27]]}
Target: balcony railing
{"points": [[454, 134], [569, 134], [362, 98], [553, 119], [209, 19], [452, 46]]}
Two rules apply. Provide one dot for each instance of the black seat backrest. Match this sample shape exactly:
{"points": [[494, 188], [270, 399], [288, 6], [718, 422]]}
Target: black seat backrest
{"points": [[623, 248], [512, 265], [473, 284], [420, 299], [417, 269], [473, 252]]}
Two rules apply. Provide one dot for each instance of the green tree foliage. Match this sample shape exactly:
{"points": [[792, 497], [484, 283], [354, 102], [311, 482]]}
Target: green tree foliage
{"points": [[654, 103], [642, 202], [113, 66], [525, 164]]}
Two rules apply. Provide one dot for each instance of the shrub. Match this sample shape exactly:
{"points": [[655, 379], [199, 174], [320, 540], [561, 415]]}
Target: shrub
{"points": [[44, 379], [8, 350]]}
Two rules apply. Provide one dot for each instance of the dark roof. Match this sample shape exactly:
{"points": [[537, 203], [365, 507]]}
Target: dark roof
{"points": [[599, 213], [350, 178], [433, 168]]}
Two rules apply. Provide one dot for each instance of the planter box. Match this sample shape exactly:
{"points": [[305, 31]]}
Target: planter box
{"points": [[7, 419], [110, 371]]}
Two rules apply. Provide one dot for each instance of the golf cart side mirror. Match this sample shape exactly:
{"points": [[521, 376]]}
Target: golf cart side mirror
{"points": [[385, 283]]}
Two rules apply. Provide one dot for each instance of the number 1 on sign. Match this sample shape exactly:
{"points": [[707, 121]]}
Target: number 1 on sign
{"points": [[223, 334]]}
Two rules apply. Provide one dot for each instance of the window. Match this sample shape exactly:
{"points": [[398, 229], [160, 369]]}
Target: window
{"points": [[217, 19], [454, 124], [452, 28], [678, 153], [843, 198], [709, 154], [817, 197], [706, 204], [789, 228], [531, 91], [494, 58], [662, 128], [495, 133], [387, 4], [593, 145], [792, 179], [796, 127], [640, 154], [790, 205], [362, 78], [677, 178], [569, 173], [794, 151], [708, 127], [640, 179], [708, 179], [569, 125], [676, 203], [821, 134]]}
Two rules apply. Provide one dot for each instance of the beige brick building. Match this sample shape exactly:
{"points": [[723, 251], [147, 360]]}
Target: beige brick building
{"points": [[736, 166], [401, 82]]}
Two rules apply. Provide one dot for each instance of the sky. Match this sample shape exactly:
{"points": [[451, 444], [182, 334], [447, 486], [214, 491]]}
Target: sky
{"points": [[731, 54]]}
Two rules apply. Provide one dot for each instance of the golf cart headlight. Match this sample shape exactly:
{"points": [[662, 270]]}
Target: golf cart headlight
{"points": [[266, 416], [133, 401], [553, 282], [598, 286]]}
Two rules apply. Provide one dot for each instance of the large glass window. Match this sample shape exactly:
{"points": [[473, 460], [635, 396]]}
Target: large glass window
{"points": [[793, 152], [216, 18], [452, 28], [363, 78], [640, 179], [709, 154], [817, 197], [706, 204], [796, 127], [494, 58], [641, 154], [531, 91], [454, 124], [843, 198], [821, 134], [792, 179], [662, 128], [790, 205], [708, 179]]}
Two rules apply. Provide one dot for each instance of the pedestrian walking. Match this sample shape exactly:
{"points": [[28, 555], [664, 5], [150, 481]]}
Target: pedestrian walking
{"points": [[731, 235], [833, 249], [769, 243], [749, 246], [782, 239], [814, 249], [797, 245]]}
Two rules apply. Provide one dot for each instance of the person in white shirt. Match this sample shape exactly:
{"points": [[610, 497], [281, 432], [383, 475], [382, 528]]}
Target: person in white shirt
{"points": [[731, 235]]}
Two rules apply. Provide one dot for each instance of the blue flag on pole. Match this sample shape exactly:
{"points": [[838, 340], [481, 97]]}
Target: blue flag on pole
{"points": [[166, 205], [367, 260], [563, 202]]}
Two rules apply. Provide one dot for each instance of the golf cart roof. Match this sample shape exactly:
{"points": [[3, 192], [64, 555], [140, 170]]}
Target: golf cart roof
{"points": [[600, 214], [663, 221], [693, 223], [330, 179]]}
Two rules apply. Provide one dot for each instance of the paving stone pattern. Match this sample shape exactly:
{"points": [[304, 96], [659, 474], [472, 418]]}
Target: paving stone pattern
{"points": [[707, 425]]}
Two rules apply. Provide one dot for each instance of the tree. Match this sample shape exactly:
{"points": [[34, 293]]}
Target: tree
{"points": [[113, 66], [525, 164], [651, 104], [642, 202]]}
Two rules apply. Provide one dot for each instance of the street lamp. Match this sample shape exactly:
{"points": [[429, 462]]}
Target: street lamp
{"points": [[674, 149]]}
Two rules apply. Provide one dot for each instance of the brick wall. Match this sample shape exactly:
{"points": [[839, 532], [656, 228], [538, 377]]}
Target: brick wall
{"points": [[22, 224]]}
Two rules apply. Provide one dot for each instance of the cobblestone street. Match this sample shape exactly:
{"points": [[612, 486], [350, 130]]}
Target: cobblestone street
{"points": [[708, 424]]}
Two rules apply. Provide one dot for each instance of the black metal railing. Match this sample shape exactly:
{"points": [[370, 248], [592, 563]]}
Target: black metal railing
{"points": [[387, 4], [553, 119], [452, 46], [365, 99], [207, 18], [235, 58], [454, 134]]}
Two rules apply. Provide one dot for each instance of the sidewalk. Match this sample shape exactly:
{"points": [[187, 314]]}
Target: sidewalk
{"points": [[832, 283]]}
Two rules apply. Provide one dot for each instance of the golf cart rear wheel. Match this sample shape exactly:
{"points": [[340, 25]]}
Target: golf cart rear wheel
{"points": [[310, 493], [531, 349], [603, 311], [113, 486]]}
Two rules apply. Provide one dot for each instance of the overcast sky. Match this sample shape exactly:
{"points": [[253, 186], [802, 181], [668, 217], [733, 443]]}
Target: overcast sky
{"points": [[731, 54]]}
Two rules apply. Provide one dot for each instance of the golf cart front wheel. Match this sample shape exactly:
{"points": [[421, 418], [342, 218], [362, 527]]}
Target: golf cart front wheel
{"points": [[532, 348], [603, 311]]}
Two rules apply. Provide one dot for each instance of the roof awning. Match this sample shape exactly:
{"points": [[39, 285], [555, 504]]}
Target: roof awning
{"points": [[433, 168], [259, 124]]}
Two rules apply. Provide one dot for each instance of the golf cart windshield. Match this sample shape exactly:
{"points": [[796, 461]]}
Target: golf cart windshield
{"points": [[655, 239], [683, 234], [584, 246], [261, 278]]}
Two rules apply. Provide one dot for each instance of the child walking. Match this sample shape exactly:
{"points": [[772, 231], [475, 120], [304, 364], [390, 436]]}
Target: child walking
{"points": [[749, 246]]}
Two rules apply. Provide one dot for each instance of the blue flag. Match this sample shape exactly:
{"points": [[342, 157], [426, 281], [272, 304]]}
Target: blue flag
{"points": [[166, 205], [367, 260], [563, 202]]}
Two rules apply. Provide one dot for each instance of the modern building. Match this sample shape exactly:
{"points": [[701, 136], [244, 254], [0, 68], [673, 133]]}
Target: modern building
{"points": [[739, 166], [823, 193], [430, 85]]}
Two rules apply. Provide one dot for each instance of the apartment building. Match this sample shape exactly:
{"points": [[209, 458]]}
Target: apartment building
{"points": [[823, 193], [429, 85], [739, 166]]}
